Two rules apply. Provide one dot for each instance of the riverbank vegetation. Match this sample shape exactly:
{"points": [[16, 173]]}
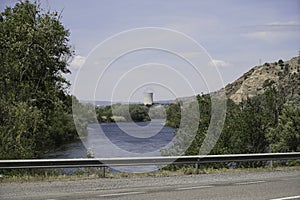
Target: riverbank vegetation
{"points": [[123, 113], [269, 122], [35, 107], [130, 113]]}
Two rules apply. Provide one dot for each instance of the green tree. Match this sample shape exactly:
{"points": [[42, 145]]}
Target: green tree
{"points": [[204, 105], [252, 127], [104, 114], [173, 113], [34, 105], [139, 113], [231, 137], [20, 131], [285, 137], [128, 112], [183, 136]]}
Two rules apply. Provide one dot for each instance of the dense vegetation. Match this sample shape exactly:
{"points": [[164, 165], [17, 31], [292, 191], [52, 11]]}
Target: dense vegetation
{"points": [[266, 123], [35, 109], [119, 112]]}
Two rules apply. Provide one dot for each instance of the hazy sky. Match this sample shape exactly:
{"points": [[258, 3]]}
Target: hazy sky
{"points": [[232, 35]]}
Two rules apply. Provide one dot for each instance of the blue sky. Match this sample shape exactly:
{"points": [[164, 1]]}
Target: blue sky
{"points": [[235, 34]]}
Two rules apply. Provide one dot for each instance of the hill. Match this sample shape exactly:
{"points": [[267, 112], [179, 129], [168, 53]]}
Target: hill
{"points": [[284, 75]]}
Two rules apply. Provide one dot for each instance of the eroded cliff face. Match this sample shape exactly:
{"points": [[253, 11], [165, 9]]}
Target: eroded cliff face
{"points": [[284, 75]]}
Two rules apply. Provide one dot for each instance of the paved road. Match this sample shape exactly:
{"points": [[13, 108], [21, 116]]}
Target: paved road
{"points": [[242, 185]]}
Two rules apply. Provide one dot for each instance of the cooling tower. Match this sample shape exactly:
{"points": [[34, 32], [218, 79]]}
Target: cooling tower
{"points": [[148, 98]]}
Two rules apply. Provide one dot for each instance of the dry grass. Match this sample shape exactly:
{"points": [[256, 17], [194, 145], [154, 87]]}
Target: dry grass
{"points": [[163, 173]]}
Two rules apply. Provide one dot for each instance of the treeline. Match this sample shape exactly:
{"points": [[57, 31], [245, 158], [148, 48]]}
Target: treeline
{"points": [[265, 123], [130, 113], [125, 113], [35, 109]]}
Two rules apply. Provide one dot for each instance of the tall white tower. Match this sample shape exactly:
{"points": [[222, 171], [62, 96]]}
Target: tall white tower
{"points": [[148, 98]]}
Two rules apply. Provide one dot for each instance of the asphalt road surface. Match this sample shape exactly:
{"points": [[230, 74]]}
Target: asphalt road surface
{"points": [[276, 185]]}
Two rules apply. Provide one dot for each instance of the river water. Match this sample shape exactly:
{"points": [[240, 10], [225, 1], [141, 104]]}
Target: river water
{"points": [[123, 139]]}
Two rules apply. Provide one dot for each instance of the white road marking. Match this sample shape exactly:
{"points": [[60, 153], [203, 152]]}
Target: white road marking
{"points": [[120, 194], [251, 182], [287, 179], [285, 198], [193, 188]]}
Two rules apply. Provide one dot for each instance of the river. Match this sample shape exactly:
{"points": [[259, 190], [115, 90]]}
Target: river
{"points": [[123, 139]]}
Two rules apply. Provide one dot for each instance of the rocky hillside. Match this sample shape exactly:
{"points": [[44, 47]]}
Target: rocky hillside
{"points": [[284, 75]]}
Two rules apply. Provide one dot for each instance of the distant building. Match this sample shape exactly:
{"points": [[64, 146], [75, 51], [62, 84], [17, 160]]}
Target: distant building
{"points": [[148, 98]]}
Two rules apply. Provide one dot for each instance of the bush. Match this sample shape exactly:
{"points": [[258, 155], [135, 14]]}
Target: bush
{"points": [[280, 62]]}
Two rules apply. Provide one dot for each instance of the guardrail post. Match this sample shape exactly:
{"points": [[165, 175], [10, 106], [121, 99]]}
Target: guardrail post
{"points": [[197, 166], [271, 163], [103, 172]]}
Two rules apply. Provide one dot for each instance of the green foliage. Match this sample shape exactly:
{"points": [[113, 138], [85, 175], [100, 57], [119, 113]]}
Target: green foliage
{"points": [[132, 112], [183, 135], [139, 113], [204, 103], [35, 110], [267, 122], [246, 124], [285, 136], [173, 115], [104, 114], [22, 130], [83, 114]]}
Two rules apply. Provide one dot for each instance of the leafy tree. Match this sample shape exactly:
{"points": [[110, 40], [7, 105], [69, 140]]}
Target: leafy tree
{"points": [[35, 109], [173, 113], [183, 136], [132, 112], [285, 137], [139, 113], [231, 137], [83, 114], [204, 102], [252, 127], [104, 114], [23, 124], [273, 103]]}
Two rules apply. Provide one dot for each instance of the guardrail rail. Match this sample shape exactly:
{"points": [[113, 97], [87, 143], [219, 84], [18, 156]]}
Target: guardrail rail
{"points": [[139, 161]]}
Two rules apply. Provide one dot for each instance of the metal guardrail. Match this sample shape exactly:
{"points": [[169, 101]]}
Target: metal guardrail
{"points": [[139, 161]]}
